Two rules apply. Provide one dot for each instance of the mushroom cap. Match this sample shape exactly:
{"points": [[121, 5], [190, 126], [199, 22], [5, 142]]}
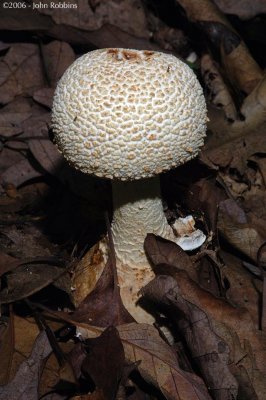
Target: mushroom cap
{"points": [[128, 114]]}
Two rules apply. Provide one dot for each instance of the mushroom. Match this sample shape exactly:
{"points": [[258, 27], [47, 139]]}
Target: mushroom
{"points": [[129, 115]]}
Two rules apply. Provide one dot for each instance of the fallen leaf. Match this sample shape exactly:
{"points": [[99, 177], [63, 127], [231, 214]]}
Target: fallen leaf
{"points": [[244, 289], [241, 69], [241, 230], [28, 19], [244, 9], [26, 381], [118, 13], [96, 395], [21, 343], [57, 56], [19, 173], [6, 350], [8, 263], [103, 305], [44, 96], [222, 337], [234, 153], [28, 279], [12, 115], [218, 92], [205, 196], [158, 364], [209, 352], [20, 72], [156, 359], [54, 396], [105, 361], [46, 153], [161, 252], [27, 242]]}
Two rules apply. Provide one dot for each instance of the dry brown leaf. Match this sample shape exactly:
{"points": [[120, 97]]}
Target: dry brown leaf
{"points": [[8, 158], [261, 163], [244, 288], [210, 321], [44, 96], [232, 145], [107, 36], [12, 116], [114, 12], [205, 196], [19, 19], [161, 251], [56, 396], [244, 9], [253, 108], [96, 395], [210, 353], [6, 351], [19, 173], [218, 92], [104, 362], [158, 365], [20, 72], [17, 346], [30, 278], [243, 231], [46, 153], [241, 68], [26, 381], [102, 305], [8, 263], [27, 242], [57, 56], [53, 373]]}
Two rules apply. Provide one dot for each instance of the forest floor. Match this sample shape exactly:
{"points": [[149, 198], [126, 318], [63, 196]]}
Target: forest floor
{"points": [[211, 299]]}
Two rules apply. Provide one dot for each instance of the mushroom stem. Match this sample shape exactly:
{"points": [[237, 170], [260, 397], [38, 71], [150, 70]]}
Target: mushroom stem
{"points": [[138, 210]]}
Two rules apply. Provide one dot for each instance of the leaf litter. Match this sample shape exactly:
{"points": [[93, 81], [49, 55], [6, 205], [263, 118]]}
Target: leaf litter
{"points": [[212, 301]]}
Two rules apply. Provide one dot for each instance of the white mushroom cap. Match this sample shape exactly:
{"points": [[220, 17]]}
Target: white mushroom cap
{"points": [[128, 114]]}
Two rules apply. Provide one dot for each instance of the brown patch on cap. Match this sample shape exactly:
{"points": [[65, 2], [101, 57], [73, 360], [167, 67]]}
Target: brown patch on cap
{"points": [[112, 51], [130, 55], [148, 53]]}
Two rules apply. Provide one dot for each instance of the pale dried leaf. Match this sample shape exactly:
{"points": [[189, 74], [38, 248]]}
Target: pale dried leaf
{"points": [[254, 106], [209, 352], [6, 350], [232, 325], [44, 96], [12, 116], [244, 9], [19, 173], [161, 251], [29, 19], [29, 279], [159, 364], [25, 384], [240, 229], [219, 94], [241, 69], [245, 290], [20, 72], [27, 242], [115, 12], [46, 154], [57, 56], [8, 158]]}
